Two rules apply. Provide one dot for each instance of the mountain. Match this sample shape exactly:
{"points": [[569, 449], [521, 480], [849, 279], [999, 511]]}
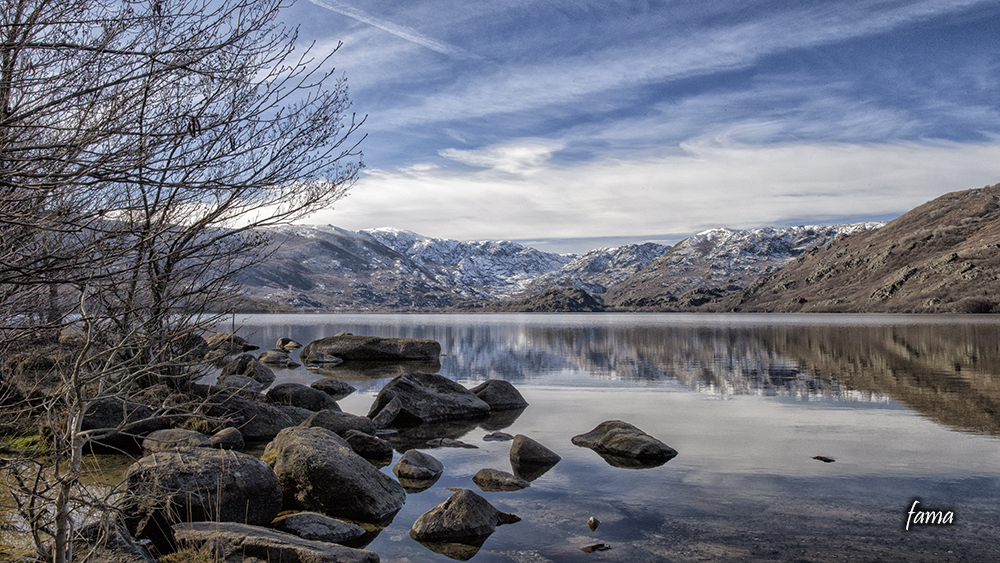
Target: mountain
{"points": [[331, 269], [598, 270], [702, 271], [941, 257]]}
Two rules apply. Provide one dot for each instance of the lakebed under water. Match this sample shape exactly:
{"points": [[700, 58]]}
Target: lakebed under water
{"points": [[907, 406]]}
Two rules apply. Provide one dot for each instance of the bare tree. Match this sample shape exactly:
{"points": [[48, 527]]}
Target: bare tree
{"points": [[143, 145]]}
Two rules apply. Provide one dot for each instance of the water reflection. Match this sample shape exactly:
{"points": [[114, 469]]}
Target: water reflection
{"points": [[945, 369]]}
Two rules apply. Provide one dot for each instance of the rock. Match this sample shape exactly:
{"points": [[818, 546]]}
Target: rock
{"points": [[319, 472], [340, 422], [335, 388], [526, 451], [595, 547], [298, 395], [385, 417], [278, 358], [230, 343], [529, 459], [173, 438], [315, 526], [350, 347], [107, 542], [500, 395], [497, 437], [372, 448], [235, 543], [464, 515], [321, 359], [297, 414], [228, 438], [239, 382], [493, 480], [450, 443], [285, 343], [418, 466], [196, 484], [131, 420], [255, 420], [248, 365], [593, 523], [427, 397], [624, 445]]}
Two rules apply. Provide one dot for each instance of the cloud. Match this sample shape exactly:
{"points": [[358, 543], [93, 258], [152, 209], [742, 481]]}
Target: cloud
{"points": [[403, 32], [708, 185], [522, 157]]}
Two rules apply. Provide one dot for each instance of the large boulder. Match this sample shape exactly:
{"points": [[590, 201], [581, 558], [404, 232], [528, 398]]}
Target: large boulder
{"points": [[237, 543], [197, 484], [302, 396], [315, 526], [425, 397], [350, 347], [500, 395], [623, 445], [464, 516], [319, 472]]}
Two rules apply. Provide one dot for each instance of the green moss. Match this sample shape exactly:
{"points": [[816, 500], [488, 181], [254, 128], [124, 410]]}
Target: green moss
{"points": [[23, 444]]}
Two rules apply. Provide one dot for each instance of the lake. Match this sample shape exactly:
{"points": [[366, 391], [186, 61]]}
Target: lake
{"points": [[907, 406]]}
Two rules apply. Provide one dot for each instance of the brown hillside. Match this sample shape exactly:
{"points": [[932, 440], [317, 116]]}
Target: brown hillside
{"points": [[941, 257]]}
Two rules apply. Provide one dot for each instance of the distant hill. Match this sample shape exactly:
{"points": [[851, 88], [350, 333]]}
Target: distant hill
{"points": [[942, 257], [702, 272]]}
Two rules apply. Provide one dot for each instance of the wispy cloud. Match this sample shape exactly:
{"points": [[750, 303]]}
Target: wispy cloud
{"points": [[403, 32]]}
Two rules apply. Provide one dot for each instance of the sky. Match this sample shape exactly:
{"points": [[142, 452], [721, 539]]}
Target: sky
{"points": [[569, 125]]}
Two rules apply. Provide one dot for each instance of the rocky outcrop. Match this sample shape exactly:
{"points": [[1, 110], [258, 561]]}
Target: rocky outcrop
{"points": [[464, 516], [623, 445], [319, 472], [239, 543], [424, 397], [350, 347], [197, 484]]}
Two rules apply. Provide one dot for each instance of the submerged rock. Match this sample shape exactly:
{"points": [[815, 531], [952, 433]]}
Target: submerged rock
{"points": [[465, 515]]}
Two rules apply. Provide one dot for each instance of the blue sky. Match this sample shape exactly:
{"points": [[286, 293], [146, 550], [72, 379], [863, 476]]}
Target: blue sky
{"points": [[572, 124]]}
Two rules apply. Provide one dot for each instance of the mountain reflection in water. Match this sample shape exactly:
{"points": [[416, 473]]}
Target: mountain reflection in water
{"points": [[945, 368]]}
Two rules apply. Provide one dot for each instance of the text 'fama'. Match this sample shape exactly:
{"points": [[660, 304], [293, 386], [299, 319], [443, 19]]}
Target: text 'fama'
{"points": [[918, 517]]}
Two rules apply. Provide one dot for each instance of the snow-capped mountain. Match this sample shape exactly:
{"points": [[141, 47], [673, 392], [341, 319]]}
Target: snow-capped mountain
{"points": [[328, 268], [704, 267]]}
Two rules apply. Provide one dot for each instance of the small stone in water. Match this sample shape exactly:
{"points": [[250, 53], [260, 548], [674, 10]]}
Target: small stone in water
{"points": [[824, 459], [595, 547], [593, 523]]}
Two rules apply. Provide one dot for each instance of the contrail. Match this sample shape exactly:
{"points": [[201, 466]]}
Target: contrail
{"points": [[406, 33]]}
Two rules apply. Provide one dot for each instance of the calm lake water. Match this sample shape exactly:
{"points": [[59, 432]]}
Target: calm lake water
{"points": [[908, 406]]}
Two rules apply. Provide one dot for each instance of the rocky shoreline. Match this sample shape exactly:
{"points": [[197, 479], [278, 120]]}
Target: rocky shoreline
{"points": [[316, 493]]}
